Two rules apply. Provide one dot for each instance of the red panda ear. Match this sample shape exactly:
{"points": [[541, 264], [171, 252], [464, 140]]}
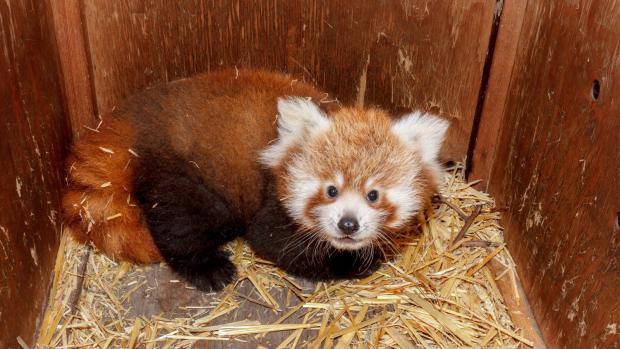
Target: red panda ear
{"points": [[424, 132], [298, 117]]}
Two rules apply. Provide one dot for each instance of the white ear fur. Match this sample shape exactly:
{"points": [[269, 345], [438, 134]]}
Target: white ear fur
{"points": [[298, 117], [425, 132]]}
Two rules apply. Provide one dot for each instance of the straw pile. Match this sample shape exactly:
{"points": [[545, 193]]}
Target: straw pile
{"points": [[439, 293]]}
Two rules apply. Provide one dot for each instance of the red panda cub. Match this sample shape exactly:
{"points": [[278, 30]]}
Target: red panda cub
{"points": [[180, 169]]}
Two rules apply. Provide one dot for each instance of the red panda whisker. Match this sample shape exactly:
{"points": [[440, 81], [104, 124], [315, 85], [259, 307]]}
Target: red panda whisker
{"points": [[318, 242], [309, 237], [295, 242], [383, 252], [320, 248], [291, 245], [316, 250], [384, 239], [285, 237], [367, 253], [389, 243], [385, 234], [302, 251]]}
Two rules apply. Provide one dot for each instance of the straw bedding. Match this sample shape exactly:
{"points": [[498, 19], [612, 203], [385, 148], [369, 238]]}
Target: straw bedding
{"points": [[439, 293]]}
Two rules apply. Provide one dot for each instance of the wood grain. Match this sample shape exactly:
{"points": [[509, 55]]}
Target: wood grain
{"points": [[74, 65], [33, 141], [394, 54], [161, 296], [556, 168], [517, 304], [485, 141]]}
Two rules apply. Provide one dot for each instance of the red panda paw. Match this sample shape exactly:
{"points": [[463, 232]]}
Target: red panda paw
{"points": [[188, 220], [210, 274]]}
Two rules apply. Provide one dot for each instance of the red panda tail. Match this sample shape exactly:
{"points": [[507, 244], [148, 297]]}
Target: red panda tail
{"points": [[97, 203]]}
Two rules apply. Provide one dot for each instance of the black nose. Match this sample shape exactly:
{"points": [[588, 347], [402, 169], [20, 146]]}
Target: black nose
{"points": [[348, 225]]}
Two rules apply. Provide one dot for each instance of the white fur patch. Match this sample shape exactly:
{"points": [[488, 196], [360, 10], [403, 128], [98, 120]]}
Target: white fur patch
{"points": [[305, 185], [298, 118], [405, 198], [339, 180], [425, 132], [354, 205]]}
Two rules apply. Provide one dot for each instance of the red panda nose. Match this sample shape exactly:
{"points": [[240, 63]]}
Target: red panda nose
{"points": [[348, 225]]}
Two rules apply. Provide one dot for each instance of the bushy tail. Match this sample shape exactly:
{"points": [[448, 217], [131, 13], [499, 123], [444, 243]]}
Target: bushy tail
{"points": [[97, 204]]}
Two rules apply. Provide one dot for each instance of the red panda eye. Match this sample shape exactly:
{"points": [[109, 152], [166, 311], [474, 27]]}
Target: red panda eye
{"points": [[372, 195], [332, 191]]}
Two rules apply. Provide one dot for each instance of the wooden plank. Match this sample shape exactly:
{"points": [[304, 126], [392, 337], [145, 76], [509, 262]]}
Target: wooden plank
{"points": [[487, 137], [74, 65], [33, 140], [160, 296], [556, 168], [517, 304], [394, 54]]}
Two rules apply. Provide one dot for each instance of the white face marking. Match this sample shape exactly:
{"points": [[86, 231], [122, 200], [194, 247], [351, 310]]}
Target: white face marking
{"points": [[324, 218], [304, 186], [405, 199], [302, 123], [370, 183], [339, 180], [353, 205]]}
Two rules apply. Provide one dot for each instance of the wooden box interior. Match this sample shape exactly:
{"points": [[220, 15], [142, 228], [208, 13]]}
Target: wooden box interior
{"points": [[532, 89]]}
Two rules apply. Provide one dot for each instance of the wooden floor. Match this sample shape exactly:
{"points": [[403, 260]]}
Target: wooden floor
{"points": [[169, 305], [166, 295], [438, 289]]}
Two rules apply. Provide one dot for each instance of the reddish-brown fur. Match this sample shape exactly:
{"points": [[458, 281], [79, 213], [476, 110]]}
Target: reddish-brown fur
{"points": [[361, 145], [100, 187], [188, 114]]}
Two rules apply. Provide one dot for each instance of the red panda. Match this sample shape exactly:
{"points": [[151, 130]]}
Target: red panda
{"points": [[178, 170]]}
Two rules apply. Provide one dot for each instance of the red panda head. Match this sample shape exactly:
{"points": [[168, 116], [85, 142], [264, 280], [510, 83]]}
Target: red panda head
{"points": [[355, 175]]}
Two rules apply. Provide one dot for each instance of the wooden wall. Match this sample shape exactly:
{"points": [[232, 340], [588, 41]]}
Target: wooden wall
{"points": [[396, 54], [64, 62], [33, 140], [547, 145], [555, 164], [548, 148]]}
